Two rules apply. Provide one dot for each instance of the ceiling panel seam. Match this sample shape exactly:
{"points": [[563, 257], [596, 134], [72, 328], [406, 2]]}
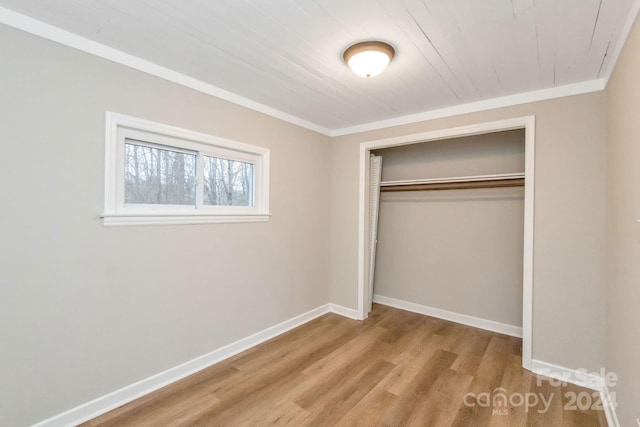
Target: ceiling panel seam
{"points": [[56, 34]]}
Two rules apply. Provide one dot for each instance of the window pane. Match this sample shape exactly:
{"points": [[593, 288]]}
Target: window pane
{"points": [[227, 182], [160, 177]]}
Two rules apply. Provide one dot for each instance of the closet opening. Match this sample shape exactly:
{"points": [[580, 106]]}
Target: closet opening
{"points": [[491, 168]]}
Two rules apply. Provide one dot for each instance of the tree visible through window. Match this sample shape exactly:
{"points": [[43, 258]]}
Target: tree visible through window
{"points": [[159, 176], [227, 182]]}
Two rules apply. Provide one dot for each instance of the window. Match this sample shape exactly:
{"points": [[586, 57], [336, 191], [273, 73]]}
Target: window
{"points": [[227, 182], [159, 174]]}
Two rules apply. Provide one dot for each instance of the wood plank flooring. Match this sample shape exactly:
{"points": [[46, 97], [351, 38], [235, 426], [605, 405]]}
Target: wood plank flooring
{"points": [[394, 369]]}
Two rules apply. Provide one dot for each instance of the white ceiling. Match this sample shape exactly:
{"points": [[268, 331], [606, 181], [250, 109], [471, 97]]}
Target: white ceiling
{"points": [[286, 54]]}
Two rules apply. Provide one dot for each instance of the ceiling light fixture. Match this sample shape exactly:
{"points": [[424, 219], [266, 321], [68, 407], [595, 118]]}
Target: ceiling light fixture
{"points": [[368, 59]]}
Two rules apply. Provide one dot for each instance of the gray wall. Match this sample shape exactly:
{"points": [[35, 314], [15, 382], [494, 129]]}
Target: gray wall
{"points": [[457, 250], [569, 236], [623, 208], [87, 309]]}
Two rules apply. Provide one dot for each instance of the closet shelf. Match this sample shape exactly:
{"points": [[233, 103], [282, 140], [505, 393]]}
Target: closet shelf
{"points": [[455, 183]]}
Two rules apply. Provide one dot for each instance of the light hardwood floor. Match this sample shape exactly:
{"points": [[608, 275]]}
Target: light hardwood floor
{"points": [[394, 369]]}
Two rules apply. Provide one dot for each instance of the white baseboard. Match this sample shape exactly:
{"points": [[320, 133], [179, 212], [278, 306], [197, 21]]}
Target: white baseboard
{"points": [[476, 322], [134, 391], [583, 378], [610, 406], [344, 311], [580, 377]]}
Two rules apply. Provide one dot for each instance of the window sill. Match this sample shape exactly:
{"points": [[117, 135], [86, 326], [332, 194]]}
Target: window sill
{"points": [[117, 219]]}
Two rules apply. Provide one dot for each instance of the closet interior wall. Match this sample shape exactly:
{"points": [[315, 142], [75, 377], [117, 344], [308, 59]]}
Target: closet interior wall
{"points": [[458, 250]]}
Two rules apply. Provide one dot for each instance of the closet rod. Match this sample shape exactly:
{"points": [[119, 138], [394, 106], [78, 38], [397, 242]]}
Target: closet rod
{"points": [[455, 183]]}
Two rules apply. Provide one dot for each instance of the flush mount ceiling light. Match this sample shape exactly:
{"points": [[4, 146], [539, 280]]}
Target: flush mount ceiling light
{"points": [[368, 59]]}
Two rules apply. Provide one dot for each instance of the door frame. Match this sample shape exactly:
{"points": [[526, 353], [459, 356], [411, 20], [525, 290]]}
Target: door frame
{"points": [[528, 124]]}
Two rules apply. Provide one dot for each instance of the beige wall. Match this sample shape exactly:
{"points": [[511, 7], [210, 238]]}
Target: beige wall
{"points": [[492, 153], [623, 208], [458, 250], [87, 309], [569, 287]]}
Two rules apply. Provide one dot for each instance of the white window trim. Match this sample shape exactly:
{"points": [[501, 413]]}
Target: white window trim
{"points": [[115, 211]]}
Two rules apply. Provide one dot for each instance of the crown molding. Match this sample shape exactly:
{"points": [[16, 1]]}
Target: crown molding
{"points": [[58, 35], [622, 40], [489, 104]]}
